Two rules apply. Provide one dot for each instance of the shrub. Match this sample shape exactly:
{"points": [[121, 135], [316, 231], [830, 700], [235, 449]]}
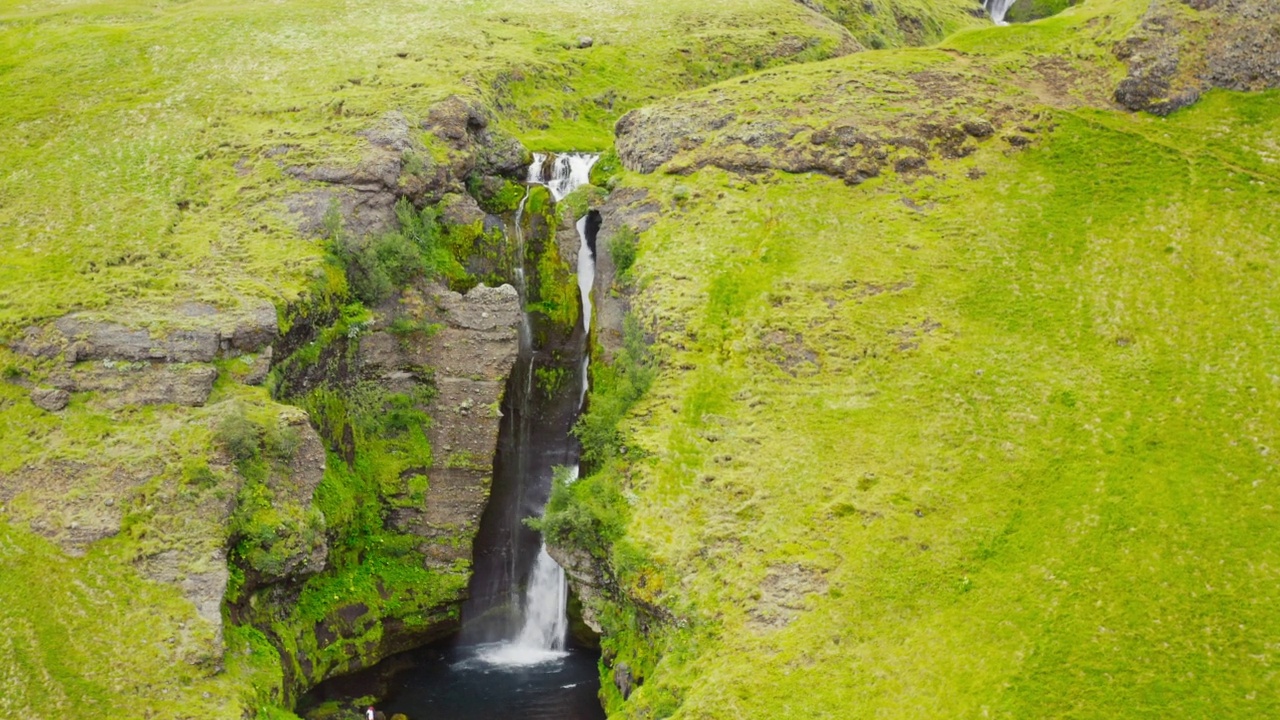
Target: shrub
{"points": [[240, 437], [622, 250], [377, 265]]}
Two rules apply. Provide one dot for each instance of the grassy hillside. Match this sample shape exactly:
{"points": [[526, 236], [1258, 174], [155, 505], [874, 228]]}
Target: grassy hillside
{"points": [[147, 150], [990, 440], [137, 136], [972, 417]]}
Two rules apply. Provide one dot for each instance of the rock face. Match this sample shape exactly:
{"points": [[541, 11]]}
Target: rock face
{"points": [[124, 363], [943, 116], [395, 164], [585, 575], [133, 384], [1175, 55], [194, 332], [627, 213], [471, 352]]}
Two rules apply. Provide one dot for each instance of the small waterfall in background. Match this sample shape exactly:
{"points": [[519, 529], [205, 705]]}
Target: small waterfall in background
{"points": [[545, 623], [997, 9]]}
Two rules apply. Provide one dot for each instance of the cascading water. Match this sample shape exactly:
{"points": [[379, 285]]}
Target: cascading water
{"points": [[562, 174], [514, 655], [542, 635], [997, 9]]}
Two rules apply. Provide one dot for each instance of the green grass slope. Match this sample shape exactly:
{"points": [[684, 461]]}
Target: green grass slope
{"points": [[135, 134], [143, 148], [994, 440], [971, 448]]}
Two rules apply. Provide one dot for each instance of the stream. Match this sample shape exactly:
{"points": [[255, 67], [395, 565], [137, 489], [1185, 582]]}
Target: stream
{"points": [[514, 657]]}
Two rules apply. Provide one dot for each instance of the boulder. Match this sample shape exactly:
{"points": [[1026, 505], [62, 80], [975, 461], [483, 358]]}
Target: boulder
{"points": [[51, 399]]}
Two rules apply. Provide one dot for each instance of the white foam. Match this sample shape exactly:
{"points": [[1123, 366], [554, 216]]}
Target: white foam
{"points": [[509, 654]]}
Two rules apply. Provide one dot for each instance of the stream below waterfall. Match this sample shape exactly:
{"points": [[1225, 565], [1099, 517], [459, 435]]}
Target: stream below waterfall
{"points": [[514, 657]]}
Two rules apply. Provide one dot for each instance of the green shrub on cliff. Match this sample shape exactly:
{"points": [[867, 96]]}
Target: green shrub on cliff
{"points": [[380, 264], [615, 388]]}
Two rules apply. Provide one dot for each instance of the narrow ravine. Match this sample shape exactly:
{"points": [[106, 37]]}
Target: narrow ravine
{"points": [[514, 657]]}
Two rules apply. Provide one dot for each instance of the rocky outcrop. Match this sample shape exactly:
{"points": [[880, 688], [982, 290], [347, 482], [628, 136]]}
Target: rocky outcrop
{"points": [[943, 116], [586, 577], [125, 384], [624, 215], [1176, 54], [471, 350], [396, 164], [133, 361], [190, 332]]}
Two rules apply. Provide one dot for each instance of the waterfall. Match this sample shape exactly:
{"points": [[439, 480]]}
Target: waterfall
{"points": [[526, 329], [541, 636], [997, 9], [562, 174]]}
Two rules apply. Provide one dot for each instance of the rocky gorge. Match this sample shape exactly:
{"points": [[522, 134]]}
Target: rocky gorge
{"points": [[917, 345]]}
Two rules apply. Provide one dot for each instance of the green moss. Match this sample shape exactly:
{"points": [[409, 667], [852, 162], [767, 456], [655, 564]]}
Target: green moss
{"points": [[606, 169], [1005, 435], [879, 24], [555, 287], [576, 204], [504, 198]]}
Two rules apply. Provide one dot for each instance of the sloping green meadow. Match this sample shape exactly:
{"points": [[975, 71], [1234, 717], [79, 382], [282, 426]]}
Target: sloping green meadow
{"points": [[953, 447], [135, 138]]}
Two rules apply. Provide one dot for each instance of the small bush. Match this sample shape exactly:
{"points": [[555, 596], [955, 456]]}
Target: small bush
{"points": [[405, 327], [622, 250], [240, 437], [281, 443], [196, 472], [414, 164], [377, 265]]}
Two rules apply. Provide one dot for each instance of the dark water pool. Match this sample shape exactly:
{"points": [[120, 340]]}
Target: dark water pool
{"points": [[481, 682]]}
